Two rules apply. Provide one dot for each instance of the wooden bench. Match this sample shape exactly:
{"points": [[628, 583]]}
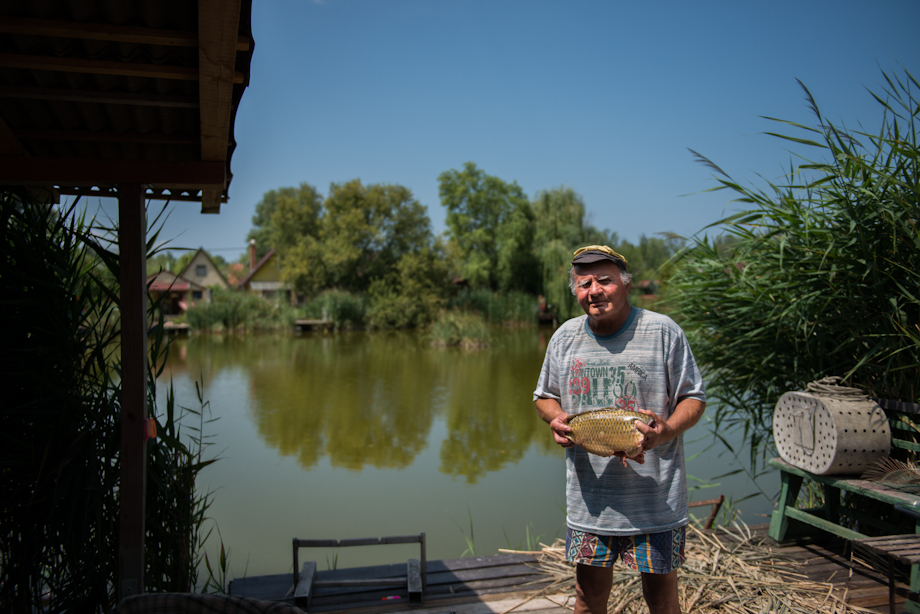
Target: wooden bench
{"points": [[413, 582], [889, 509], [891, 549]]}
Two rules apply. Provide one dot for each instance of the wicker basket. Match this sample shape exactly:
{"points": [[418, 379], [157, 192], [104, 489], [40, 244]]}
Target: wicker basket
{"points": [[829, 434]]}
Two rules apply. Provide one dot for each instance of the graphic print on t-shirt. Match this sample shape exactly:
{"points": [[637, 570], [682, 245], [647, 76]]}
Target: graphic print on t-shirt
{"points": [[602, 383]]}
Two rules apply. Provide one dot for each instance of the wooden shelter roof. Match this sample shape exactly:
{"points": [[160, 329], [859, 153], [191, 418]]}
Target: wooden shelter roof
{"points": [[94, 93]]}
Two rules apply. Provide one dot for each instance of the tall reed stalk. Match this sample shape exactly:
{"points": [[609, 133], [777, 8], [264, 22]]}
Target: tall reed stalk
{"points": [[60, 423], [59, 418], [819, 277]]}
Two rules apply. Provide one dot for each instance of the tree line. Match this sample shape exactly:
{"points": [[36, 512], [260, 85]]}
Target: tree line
{"points": [[377, 241]]}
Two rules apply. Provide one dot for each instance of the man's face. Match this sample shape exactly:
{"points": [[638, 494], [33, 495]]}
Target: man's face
{"points": [[602, 294]]}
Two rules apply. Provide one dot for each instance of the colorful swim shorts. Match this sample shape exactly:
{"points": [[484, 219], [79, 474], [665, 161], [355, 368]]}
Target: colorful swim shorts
{"points": [[658, 553]]}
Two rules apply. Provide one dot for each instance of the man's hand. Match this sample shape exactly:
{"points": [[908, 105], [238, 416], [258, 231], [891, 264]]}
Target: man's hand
{"points": [[659, 431], [638, 458], [551, 412], [686, 414], [655, 432], [561, 429]]}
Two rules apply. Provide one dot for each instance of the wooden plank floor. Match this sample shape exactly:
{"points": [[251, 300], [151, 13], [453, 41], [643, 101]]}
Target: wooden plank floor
{"points": [[453, 580], [493, 584], [830, 560]]}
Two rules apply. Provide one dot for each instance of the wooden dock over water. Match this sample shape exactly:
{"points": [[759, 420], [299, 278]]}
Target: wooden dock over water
{"points": [[495, 584], [303, 324], [455, 579]]}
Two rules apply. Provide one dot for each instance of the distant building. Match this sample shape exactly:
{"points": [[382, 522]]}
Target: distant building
{"points": [[647, 291], [202, 271], [174, 292], [264, 278], [647, 286], [236, 271]]}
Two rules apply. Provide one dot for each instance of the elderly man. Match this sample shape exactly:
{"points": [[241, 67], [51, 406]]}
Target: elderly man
{"points": [[617, 355]]}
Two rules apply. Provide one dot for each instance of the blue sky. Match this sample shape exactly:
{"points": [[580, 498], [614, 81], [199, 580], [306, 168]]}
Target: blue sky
{"points": [[603, 97]]}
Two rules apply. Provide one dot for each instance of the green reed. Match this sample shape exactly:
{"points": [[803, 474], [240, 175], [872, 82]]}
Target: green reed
{"points": [[343, 309], [60, 413], [471, 538], [234, 311], [507, 308], [818, 277], [531, 542], [61, 423], [456, 328]]}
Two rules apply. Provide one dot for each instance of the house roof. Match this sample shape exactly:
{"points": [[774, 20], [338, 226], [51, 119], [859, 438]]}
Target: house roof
{"points": [[256, 268], [94, 93], [206, 255], [165, 281]]}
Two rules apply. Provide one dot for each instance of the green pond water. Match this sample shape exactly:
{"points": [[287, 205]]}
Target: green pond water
{"points": [[369, 434]]}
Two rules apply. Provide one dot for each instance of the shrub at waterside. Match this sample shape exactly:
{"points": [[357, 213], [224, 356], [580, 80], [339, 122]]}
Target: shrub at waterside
{"points": [[467, 330], [60, 418], [233, 311], [508, 308], [343, 309], [820, 277], [412, 294]]}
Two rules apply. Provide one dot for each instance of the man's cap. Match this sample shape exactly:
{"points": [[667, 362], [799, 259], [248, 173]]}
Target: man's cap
{"points": [[596, 253]]}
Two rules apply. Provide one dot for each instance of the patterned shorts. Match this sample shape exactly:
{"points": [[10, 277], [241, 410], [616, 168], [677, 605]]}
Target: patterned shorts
{"points": [[658, 553]]}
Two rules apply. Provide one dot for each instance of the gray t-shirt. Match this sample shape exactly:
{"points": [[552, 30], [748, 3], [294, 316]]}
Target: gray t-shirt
{"points": [[647, 364]]}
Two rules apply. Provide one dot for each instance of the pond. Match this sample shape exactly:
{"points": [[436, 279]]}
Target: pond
{"points": [[370, 434]]}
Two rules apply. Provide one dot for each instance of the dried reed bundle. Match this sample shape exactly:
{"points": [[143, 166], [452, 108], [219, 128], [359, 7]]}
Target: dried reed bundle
{"points": [[895, 474], [726, 571]]}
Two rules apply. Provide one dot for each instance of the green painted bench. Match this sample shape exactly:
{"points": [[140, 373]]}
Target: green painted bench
{"points": [[868, 508]]}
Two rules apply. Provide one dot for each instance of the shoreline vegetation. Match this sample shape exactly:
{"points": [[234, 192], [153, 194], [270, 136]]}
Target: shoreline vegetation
{"points": [[463, 321], [365, 257]]}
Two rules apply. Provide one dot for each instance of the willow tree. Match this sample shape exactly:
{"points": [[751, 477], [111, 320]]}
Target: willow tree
{"points": [[559, 215], [821, 274], [559, 229]]}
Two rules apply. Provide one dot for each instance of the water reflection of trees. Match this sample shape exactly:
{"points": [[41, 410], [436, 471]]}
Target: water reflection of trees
{"points": [[490, 417], [358, 399], [371, 399]]}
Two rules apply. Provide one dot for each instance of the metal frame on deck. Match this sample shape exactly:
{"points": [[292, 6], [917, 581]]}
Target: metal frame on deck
{"points": [[305, 579]]}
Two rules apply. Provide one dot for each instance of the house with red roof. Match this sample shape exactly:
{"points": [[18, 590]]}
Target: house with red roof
{"points": [[174, 292]]}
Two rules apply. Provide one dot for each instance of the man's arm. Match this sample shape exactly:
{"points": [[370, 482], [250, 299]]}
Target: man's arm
{"points": [[687, 413], [550, 411]]}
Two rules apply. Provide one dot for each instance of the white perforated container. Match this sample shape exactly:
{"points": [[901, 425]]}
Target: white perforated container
{"points": [[829, 435]]}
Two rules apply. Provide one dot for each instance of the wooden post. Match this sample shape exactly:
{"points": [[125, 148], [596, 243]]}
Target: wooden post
{"points": [[132, 237]]}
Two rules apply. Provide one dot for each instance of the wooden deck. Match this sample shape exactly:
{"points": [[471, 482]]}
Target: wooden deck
{"points": [[175, 327], [303, 324], [455, 579], [494, 584]]}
